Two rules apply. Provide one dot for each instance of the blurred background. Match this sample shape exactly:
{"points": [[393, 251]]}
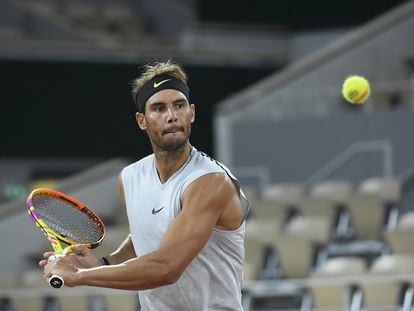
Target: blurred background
{"points": [[330, 183]]}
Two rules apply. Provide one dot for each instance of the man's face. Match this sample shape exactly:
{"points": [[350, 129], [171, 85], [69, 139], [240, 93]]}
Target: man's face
{"points": [[167, 120]]}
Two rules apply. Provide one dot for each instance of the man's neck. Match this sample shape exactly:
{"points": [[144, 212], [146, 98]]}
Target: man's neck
{"points": [[168, 162]]}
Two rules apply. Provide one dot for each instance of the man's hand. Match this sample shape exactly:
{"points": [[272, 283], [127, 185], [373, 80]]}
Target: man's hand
{"points": [[62, 267], [80, 257]]}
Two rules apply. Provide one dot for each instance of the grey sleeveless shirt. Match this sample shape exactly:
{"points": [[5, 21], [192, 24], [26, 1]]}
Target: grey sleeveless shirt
{"points": [[213, 279]]}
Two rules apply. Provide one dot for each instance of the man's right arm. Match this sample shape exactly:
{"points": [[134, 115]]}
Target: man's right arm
{"points": [[124, 252]]}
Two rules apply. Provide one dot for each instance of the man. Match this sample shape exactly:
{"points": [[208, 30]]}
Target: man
{"points": [[186, 213]]}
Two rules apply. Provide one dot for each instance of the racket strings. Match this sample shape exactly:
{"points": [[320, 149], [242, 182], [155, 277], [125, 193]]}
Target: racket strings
{"points": [[67, 221]]}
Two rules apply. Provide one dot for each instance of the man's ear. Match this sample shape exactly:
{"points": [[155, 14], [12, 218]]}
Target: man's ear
{"points": [[140, 117], [192, 107]]}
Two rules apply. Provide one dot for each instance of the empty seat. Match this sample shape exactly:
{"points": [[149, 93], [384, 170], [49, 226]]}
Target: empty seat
{"points": [[367, 216], [320, 207], [386, 188], [387, 293], [264, 230], [260, 237], [254, 260], [284, 193], [8, 279], [393, 264], [400, 239], [313, 228], [122, 300], [269, 209], [406, 221], [33, 278], [336, 190], [300, 240], [335, 296], [78, 303], [28, 303]]}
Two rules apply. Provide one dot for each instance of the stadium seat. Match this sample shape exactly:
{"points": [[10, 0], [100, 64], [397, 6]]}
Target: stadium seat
{"points": [[265, 230], [284, 193], [259, 241], [387, 293], [335, 296], [8, 279], [28, 303], [367, 214], [313, 228], [336, 190], [70, 303], [388, 190], [300, 240], [406, 221], [320, 207], [254, 259], [33, 278], [400, 239], [125, 301], [269, 209]]}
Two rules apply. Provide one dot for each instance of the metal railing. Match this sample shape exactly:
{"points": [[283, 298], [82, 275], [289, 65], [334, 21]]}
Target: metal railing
{"points": [[355, 149]]}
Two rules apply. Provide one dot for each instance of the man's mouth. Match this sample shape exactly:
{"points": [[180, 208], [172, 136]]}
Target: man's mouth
{"points": [[172, 130]]}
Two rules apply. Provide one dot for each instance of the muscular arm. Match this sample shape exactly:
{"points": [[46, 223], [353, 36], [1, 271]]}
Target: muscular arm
{"points": [[208, 201]]}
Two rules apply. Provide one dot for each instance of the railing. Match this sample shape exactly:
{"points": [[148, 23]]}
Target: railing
{"points": [[407, 175], [261, 173], [383, 146]]}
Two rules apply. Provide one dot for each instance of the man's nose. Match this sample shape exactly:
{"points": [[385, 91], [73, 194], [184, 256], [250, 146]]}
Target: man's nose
{"points": [[172, 114]]}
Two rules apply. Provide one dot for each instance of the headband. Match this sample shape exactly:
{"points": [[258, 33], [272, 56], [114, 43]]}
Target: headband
{"points": [[157, 84]]}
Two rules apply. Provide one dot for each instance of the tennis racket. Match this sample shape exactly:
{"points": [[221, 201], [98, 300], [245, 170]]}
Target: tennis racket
{"points": [[62, 218]]}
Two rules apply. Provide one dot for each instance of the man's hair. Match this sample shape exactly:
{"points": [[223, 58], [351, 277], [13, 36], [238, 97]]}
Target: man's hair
{"points": [[155, 69]]}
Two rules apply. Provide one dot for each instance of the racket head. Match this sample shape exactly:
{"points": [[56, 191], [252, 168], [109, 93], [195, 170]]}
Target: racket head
{"points": [[62, 218]]}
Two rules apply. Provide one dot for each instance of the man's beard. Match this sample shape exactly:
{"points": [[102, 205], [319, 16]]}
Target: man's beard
{"points": [[172, 144]]}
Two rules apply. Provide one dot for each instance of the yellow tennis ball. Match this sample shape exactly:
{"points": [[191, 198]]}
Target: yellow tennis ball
{"points": [[356, 89]]}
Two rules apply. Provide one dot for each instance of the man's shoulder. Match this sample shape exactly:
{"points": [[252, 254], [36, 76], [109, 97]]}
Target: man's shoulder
{"points": [[139, 164], [205, 162]]}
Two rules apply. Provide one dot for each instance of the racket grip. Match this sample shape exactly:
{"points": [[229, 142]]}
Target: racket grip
{"points": [[56, 281]]}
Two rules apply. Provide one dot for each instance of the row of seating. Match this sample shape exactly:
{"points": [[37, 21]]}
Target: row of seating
{"points": [[343, 247], [344, 283], [297, 232], [41, 302]]}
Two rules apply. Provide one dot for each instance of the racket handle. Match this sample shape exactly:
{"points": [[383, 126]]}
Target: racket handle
{"points": [[56, 281]]}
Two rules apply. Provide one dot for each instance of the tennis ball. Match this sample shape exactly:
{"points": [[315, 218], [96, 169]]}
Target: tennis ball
{"points": [[356, 89]]}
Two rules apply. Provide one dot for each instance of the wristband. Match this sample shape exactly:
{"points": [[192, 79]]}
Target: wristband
{"points": [[105, 261]]}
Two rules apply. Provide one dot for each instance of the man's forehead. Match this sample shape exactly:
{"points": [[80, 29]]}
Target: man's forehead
{"points": [[167, 95]]}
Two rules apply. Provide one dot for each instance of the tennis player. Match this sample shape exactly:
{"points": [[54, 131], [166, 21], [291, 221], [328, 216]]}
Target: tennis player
{"points": [[186, 213]]}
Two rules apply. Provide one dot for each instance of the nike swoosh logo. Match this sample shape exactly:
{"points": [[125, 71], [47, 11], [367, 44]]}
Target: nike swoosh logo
{"points": [[156, 211], [159, 83]]}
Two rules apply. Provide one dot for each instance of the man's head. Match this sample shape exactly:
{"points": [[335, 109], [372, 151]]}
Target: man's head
{"points": [[164, 111], [156, 77]]}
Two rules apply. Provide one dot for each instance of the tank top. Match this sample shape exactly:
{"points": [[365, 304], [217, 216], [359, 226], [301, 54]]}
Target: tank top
{"points": [[213, 279]]}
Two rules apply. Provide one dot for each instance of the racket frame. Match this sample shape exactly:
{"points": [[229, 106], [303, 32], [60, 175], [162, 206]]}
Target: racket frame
{"points": [[55, 238]]}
